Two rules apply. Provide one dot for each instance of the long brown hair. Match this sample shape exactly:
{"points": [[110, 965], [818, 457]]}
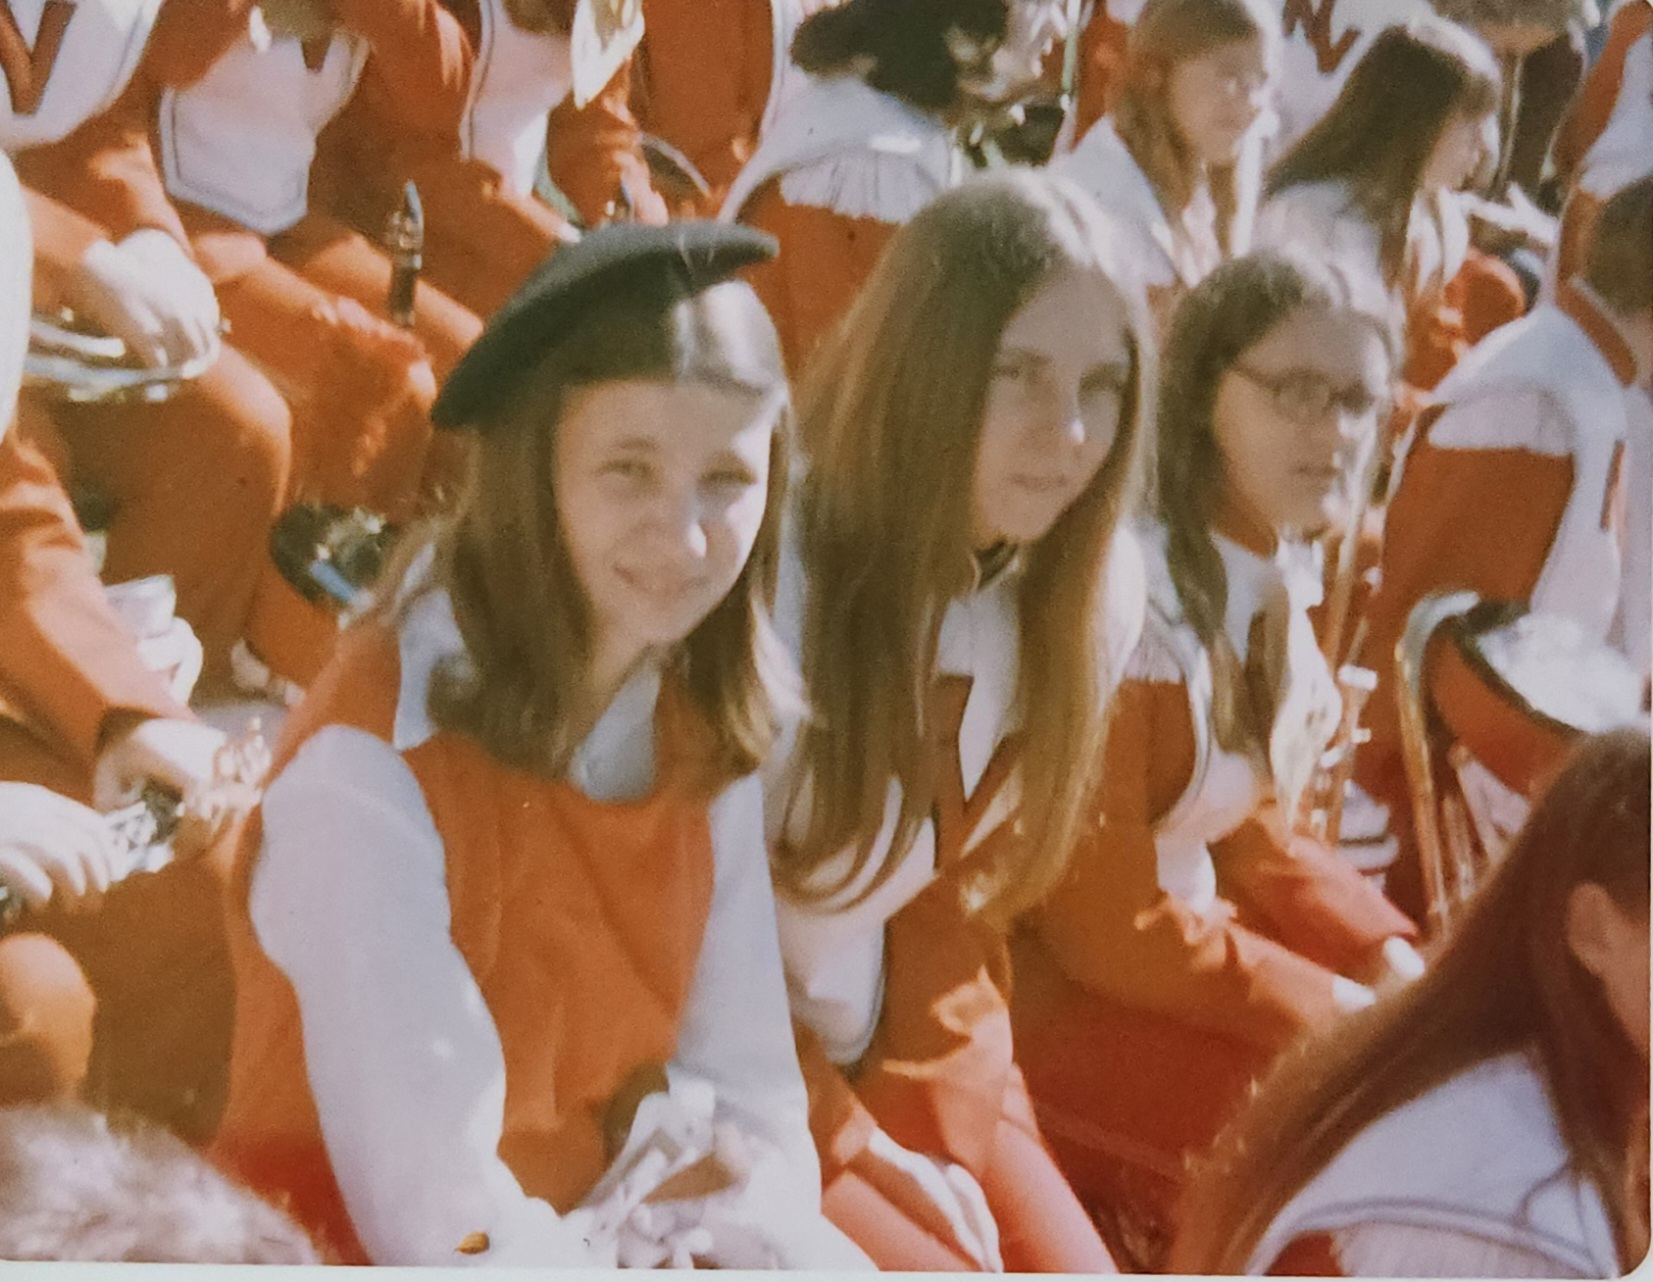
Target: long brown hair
{"points": [[1507, 980], [1379, 135], [1224, 317], [892, 412], [520, 688], [1166, 33]]}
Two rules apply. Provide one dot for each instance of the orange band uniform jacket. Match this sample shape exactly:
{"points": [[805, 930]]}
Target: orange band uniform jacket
{"points": [[838, 170], [518, 92], [1189, 899], [1545, 410], [529, 933], [902, 997]]}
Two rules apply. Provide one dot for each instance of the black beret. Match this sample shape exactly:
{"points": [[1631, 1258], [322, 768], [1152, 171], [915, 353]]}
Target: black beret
{"points": [[678, 260]]}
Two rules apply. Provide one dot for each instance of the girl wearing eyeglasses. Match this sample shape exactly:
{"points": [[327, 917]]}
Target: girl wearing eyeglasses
{"points": [[1196, 934], [1175, 162]]}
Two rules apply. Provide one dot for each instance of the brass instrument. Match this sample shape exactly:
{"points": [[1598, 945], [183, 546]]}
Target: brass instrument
{"points": [[143, 832], [404, 241], [1418, 756], [1323, 801], [1329, 788], [69, 361], [1487, 712]]}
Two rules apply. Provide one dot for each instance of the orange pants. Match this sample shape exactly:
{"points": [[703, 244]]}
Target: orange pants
{"points": [[481, 242], [1125, 1098], [129, 1006], [194, 483], [1043, 1228], [308, 307]]}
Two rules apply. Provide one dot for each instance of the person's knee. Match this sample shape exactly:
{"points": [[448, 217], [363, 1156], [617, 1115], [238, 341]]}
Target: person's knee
{"points": [[46, 1017], [249, 445]]}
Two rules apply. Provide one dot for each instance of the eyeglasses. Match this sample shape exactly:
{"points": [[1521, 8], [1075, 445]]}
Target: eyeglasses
{"points": [[1307, 397]]}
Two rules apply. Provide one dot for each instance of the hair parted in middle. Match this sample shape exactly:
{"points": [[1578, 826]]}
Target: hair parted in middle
{"points": [[520, 687], [891, 412], [1381, 131], [1166, 33], [1227, 314]]}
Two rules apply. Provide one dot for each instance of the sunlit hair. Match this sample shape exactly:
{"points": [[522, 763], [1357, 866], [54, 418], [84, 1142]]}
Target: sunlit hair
{"points": [[1223, 318], [892, 413], [1166, 34], [75, 1185], [1379, 135], [520, 687], [1506, 980], [909, 49], [1619, 265]]}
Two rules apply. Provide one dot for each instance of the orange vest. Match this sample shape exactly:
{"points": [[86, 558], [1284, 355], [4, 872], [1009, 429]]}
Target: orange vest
{"points": [[585, 976]]}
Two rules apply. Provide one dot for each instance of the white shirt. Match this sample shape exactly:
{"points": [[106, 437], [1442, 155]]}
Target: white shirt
{"points": [[409, 1083], [1165, 252], [835, 954], [1226, 787], [1322, 218], [1468, 1179], [99, 44]]}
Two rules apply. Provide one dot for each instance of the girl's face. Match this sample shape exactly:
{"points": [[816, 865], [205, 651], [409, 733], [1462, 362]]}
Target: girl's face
{"points": [[1465, 142], [1296, 416], [1059, 380], [661, 489], [1215, 98]]}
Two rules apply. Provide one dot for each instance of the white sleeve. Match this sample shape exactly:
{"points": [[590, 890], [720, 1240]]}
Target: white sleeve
{"points": [[1382, 1248], [1315, 218], [350, 901], [1516, 416], [834, 951], [737, 1028], [737, 1034]]}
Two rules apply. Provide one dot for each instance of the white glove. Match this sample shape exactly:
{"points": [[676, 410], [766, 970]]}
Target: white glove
{"points": [[52, 848], [960, 1205], [1350, 995], [147, 292], [179, 755]]}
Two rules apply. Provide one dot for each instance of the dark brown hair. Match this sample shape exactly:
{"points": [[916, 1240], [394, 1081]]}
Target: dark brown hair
{"points": [[900, 47], [1620, 262], [1224, 317], [1507, 980], [1379, 135]]}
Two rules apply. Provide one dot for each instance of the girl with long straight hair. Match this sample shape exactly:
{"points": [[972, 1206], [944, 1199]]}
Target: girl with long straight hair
{"points": [[530, 769], [960, 600], [1374, 184], [1196, 933], [1491, 1119], [1177, 162]]}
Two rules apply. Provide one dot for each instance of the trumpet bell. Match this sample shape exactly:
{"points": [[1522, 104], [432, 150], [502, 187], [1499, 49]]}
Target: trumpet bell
{"points": [[67, 361]]}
